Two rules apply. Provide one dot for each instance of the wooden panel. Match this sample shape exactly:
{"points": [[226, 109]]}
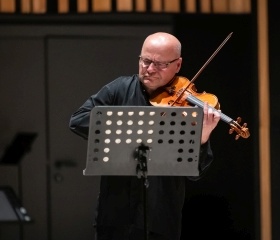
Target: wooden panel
{"points": [[240, 6], [141, 6], [156, 6], [7, 6], [39, 6], [220, 6], [124, 5], [22, 75], [247, 6], [205, 6], [101, 5], [82, 6], [171, 6], [190, 6], [25, 6], [264, 120], [63, 6]]}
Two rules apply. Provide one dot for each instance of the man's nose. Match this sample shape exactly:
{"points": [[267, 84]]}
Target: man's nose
{"points": [[152, 67]]}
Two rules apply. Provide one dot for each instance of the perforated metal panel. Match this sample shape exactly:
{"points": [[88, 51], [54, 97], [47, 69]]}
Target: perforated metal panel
{"points": [[171, 134]]}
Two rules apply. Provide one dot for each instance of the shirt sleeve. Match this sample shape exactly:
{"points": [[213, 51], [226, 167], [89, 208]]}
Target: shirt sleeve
{"points": [[80, 120], [205, 160]]}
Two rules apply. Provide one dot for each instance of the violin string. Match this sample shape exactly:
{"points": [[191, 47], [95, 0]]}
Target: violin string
{"points": [[200, 104]]}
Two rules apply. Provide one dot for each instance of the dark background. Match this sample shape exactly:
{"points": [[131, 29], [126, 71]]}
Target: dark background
{"points": [[274, 71], [224, 203]]}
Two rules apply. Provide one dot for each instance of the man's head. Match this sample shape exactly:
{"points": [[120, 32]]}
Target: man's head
{"points": [[160, 60]]}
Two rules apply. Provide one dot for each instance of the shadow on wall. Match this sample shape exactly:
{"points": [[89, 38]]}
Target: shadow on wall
{"points": [[20, 145]]}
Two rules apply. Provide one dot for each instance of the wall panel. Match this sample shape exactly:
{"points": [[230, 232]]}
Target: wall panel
{"points": [[224, 204]]}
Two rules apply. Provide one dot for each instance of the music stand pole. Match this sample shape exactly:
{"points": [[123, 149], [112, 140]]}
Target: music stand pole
{"points": [[142, 172]]}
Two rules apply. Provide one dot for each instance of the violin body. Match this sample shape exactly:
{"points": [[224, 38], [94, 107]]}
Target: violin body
{"points": [[181, 92], [175, 94]]}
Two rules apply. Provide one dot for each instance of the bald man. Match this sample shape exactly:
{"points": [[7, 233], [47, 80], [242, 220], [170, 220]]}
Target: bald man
{"points": [[120, 209]]}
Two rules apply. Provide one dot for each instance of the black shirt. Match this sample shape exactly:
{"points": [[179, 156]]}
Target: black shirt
{"points": [[121, 197]]}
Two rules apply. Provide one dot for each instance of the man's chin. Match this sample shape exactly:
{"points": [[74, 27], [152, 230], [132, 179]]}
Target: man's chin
{"points": [[148, 84]]}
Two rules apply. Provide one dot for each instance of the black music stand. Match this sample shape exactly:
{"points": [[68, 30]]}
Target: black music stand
{"points": [[142, 141], [11, 210]]}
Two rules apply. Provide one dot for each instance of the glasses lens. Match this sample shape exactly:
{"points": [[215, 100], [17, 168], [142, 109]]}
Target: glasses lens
{"points": [[161, 65], [147, 62]]}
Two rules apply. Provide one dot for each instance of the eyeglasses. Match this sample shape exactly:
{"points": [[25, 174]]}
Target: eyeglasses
{"points": [[158, 65]]}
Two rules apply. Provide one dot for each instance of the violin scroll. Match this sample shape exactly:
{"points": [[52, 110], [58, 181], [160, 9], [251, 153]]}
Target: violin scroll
{"points": [[242, 131]]}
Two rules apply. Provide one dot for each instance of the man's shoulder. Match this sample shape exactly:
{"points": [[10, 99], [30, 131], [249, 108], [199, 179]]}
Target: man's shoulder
{"points": [[123, 83], [125, 79]]}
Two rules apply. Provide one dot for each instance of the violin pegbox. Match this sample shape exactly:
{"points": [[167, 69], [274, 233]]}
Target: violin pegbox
{"points": [[242, 131]]}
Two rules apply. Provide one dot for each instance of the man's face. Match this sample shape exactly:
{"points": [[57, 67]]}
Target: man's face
{"points": [[157, 66]]}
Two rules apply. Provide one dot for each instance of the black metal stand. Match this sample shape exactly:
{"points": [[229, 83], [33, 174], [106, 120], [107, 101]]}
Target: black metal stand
{"points": [[142, 141]]}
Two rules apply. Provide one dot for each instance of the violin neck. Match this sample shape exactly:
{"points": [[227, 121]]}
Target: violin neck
{"points": [[200, 103]]}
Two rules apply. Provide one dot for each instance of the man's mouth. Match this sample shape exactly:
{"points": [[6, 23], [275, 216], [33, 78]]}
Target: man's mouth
{"points": [[150, 78]]}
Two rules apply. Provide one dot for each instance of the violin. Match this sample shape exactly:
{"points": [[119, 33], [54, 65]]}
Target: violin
{"points": [[174, 94]]}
